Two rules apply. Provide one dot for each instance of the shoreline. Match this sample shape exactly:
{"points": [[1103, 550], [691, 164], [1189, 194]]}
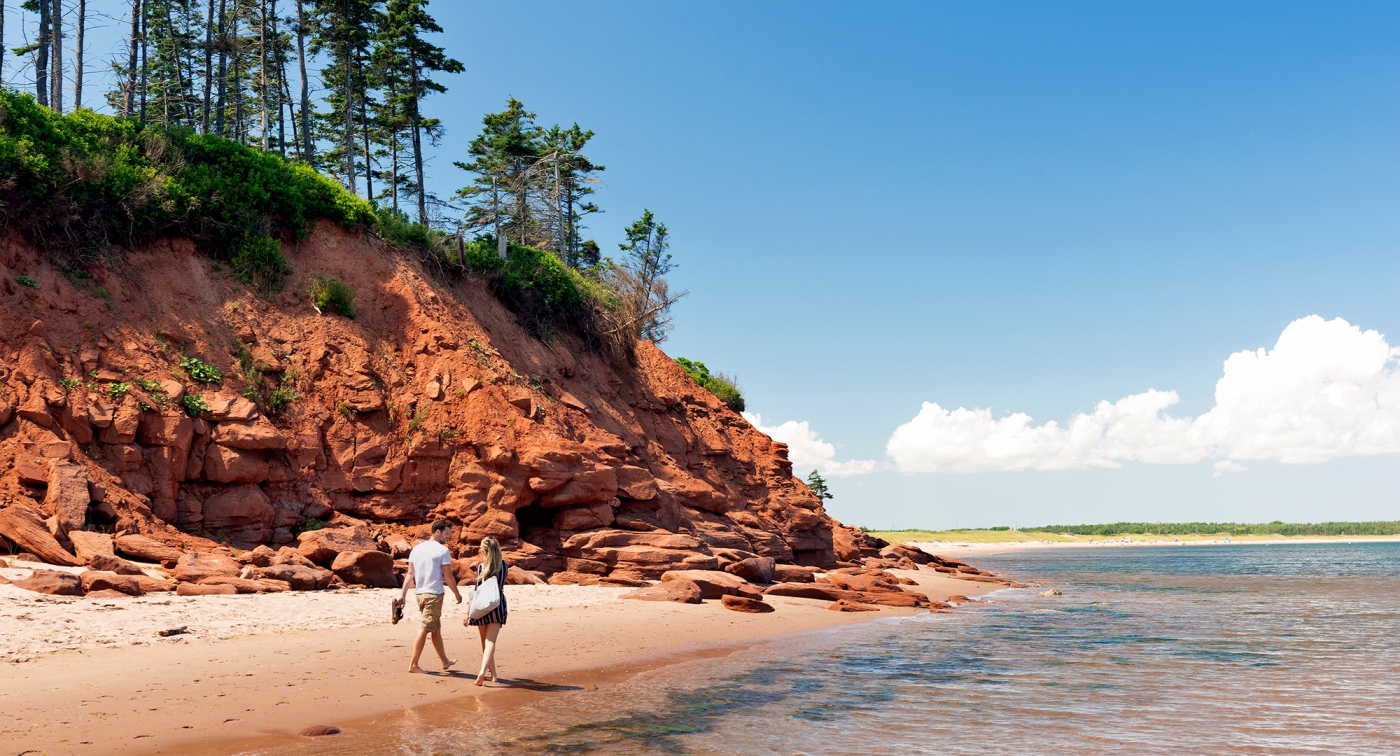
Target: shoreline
{"points": [[974, 547], [257, 669]]}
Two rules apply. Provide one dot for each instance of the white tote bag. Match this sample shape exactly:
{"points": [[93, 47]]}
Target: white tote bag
{"points": [[486, 598]]}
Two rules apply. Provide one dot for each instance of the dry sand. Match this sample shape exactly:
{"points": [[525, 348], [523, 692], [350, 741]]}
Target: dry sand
{"points": [[88, 676]]}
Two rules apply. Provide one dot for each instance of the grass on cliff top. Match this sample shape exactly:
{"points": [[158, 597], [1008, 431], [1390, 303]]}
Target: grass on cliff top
{"points": [[1148, 532], [78, 184]]}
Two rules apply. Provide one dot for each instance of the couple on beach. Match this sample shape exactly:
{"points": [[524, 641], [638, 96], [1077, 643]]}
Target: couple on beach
{"points": [[431, 571]]}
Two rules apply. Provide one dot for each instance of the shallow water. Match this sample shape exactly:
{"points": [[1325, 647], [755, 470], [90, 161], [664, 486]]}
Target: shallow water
{"points": [[1281, 649]]}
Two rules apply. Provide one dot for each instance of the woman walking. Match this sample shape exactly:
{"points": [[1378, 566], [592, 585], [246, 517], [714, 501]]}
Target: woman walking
{"points": [[492, 567]]}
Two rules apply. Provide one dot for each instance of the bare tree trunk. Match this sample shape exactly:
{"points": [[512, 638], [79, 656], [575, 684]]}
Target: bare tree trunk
{"points": [[78, 56], [308, 152], [128, 103], [179, 73], [417, 124], [369, 168], [238, 130], [41, 56], [222, 104], [559, 216], [208, 67], [2, 46], [144, 13], [281, 54], [349, 104], [262, 64], [496, 217], [56, 72]]}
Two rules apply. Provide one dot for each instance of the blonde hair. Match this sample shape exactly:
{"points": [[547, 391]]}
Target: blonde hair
{"points": [[490, 558]]}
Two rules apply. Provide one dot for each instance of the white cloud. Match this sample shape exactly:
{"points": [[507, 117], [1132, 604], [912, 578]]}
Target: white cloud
{"points": [[1326, 390], [1226, 466], [808, 451]]}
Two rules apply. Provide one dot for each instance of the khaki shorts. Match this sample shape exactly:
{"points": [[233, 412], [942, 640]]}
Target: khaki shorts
{"points": [[430, 604]]}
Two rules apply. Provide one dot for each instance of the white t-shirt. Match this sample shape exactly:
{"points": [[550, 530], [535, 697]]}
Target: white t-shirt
{"points": [[428, 558]]}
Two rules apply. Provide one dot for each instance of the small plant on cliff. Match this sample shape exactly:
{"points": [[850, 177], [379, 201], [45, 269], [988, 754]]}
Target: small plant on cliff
{"points": [[445, 435], [313, 523], [118, 390], [331, 294], [719, 384], [284, 394], [817, 484], [70, 383], [26, 281], [195, 405], [200, 370], [346, 410]]}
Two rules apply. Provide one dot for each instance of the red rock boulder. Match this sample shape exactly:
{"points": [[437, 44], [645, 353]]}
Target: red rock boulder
{"points": [[846, 605], [194, 567], [27, 529], [680, 591], [52, 582], [298, 577], [792, 573], [107, 563], [745, 604], [713, 584], [110, 581], [753, 569], [194, 589], [372, 568], [322, 546], [146, 549], [87, 544]]}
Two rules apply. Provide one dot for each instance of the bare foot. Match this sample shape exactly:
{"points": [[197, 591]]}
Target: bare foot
{"points": [[480, 681], [447, 664], [417, 670]]}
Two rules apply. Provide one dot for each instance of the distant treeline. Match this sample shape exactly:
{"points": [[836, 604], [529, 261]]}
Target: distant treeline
{"points": [[1230, 528]]}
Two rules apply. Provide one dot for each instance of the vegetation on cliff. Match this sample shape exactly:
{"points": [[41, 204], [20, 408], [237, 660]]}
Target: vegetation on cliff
{"points": [[82, 183], [719, 384]]}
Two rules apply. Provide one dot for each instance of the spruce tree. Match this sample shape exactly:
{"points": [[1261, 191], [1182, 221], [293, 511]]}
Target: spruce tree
{"points": [[504, 157], [406, 21]]}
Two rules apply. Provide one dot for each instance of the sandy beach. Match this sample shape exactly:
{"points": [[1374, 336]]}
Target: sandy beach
{"points": [[87, 676]]}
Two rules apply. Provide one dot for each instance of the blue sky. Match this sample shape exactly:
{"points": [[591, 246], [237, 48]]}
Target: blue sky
{"points": [[1017, 207]]}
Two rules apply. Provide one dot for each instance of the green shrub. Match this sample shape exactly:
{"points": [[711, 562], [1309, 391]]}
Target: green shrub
{"points": [[259, 261], [195, 405], [92, 180], [536, 285], [719, 384], [281, 397], [393, 226], [27, 281], [70, 383], [331, 294], [118, 390], [199, 370], [314, 523]]}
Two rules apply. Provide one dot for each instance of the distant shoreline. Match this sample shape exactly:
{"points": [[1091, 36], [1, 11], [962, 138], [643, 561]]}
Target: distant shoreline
{"points": [[988, 547]]}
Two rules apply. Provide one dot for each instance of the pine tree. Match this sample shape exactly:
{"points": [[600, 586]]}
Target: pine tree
{"points": [[640, 281], [344, 30], [572, 182], [405, 23], [505, 155], [817, 484]]}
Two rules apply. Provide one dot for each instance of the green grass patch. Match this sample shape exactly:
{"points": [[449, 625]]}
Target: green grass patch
{"points": [[719, 384], [332, 295]]}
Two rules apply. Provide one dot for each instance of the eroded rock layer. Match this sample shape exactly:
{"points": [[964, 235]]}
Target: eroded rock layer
{"points": [[432, 403]]}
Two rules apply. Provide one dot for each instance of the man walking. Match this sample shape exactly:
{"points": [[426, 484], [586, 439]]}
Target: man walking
{"points": [[431, 569]]}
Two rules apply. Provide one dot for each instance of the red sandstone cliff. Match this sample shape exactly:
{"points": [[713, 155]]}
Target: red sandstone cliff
{"points": [[432, 403]]}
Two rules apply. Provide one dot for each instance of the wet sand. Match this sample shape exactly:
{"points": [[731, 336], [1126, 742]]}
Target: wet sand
{"points": [[257, 669]]}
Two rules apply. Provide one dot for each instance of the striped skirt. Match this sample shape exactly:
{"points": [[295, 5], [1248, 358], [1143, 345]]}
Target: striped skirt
{"points": [[497, 615]]}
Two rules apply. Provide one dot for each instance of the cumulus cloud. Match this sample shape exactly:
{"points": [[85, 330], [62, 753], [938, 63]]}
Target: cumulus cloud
{"points": [[808, 451], [1327, 389]]}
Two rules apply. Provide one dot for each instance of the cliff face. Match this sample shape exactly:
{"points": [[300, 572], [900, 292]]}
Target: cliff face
{"points": [[432, 403]]}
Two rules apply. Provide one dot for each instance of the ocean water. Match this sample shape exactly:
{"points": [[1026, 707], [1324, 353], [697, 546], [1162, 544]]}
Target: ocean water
{"points": [[1241, 649]]}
